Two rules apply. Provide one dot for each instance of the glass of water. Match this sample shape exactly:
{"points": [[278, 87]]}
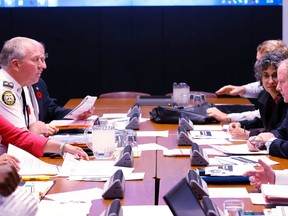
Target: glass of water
{"points": [[233, 207]]}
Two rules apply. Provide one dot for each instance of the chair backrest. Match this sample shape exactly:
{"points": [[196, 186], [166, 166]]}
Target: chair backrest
{"points": [[207, 94], [123, 94]]}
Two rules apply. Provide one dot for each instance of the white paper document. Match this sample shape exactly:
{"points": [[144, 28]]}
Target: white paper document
{"points": [[91, 170], [152, 133], [70, 138], [150, 146], [257, 198], [77, 196], [228, 170], [238, 149], [176, 152], [207, 127], [206, 134], [31, 165], [228, 193], [84, 105], [242, 159], [144, 210], [211, 141], [48, 208]]}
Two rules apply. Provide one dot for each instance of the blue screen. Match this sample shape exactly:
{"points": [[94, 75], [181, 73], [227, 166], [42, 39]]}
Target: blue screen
{"points": [[103, 3]]}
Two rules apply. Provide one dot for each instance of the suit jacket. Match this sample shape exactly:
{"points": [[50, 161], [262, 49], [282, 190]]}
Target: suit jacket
{"points": [[272, 115], [48, 109], [279, 147]]}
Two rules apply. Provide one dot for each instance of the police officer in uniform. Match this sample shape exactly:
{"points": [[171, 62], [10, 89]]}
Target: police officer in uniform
{"points": [[22, 62]]}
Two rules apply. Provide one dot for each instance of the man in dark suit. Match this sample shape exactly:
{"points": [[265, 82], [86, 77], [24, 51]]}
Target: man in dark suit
{"points": [[276, 142]]}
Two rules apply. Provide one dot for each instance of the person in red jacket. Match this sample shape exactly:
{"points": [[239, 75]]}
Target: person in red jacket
{"points": [[32, 143]]}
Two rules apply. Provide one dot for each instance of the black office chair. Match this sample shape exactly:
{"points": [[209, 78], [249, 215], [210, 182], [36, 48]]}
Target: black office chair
{"points": [[123, 94]]}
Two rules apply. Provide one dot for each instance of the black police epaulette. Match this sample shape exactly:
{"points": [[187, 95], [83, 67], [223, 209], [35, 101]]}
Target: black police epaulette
{"points": [[8, 84]]}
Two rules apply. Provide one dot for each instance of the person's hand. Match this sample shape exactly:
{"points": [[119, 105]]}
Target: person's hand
{"points": [[51, 130], [264, 176], [217, 114], [237, 132], [9, 179], [75, 151], [256, 143], [231, 90], [86, 114], [9, 159], [39, 128]]}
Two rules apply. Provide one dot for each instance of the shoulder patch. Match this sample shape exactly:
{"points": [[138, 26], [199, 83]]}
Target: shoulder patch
{"points": [[8, 98], [8, 84]]}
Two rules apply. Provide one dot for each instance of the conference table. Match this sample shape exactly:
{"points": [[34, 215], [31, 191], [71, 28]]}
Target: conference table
{"points": [[168, 170]]}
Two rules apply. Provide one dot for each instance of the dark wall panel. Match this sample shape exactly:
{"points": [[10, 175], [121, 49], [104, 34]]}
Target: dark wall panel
{"points": [[96, 50]]}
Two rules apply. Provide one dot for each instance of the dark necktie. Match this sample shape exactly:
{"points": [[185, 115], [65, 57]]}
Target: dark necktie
{"points": [[26, 109]]}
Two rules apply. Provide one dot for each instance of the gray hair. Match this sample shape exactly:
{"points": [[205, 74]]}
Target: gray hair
{"points": [[15, 48], [270, 59]]}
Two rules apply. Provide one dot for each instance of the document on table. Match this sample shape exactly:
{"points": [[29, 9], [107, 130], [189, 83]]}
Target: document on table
{"points": [[48, 208], [77, 196], [211, 141], [144, 210], [228, 170], [153, 133], [31, 165], [228, 193], [207, 127], [93, 170], [242, 159], [176, 152], [65, 124], [84, 105], [206, 134], [238, 149]]}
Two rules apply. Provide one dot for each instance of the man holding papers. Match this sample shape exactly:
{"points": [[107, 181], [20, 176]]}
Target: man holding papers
{"points": [[25, 99]]}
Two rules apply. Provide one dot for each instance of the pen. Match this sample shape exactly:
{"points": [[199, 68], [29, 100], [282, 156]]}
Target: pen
{"points": [[35, 178]]}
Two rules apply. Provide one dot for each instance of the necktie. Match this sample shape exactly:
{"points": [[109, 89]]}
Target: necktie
{"points": [[26, 109]]}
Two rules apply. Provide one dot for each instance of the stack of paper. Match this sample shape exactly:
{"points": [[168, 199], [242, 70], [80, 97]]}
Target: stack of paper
{"points": [[277, 194], [74, 124]]}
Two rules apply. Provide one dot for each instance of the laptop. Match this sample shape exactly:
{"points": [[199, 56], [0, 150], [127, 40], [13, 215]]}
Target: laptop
{"points": [[182, 201]]}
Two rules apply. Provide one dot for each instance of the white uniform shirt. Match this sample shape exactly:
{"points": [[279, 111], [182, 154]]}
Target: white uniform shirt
{"points": [[248, 115], [11, 105], [281, 177], [252, 90]]}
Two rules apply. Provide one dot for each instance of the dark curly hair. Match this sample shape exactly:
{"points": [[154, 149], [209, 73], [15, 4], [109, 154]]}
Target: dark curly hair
{"points": [[269, 59]]}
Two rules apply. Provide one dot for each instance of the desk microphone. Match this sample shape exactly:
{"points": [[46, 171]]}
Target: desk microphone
{"points": [[157, 180]]}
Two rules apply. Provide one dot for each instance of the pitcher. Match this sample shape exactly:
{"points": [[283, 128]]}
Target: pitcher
{"points": [[101, 141]]}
